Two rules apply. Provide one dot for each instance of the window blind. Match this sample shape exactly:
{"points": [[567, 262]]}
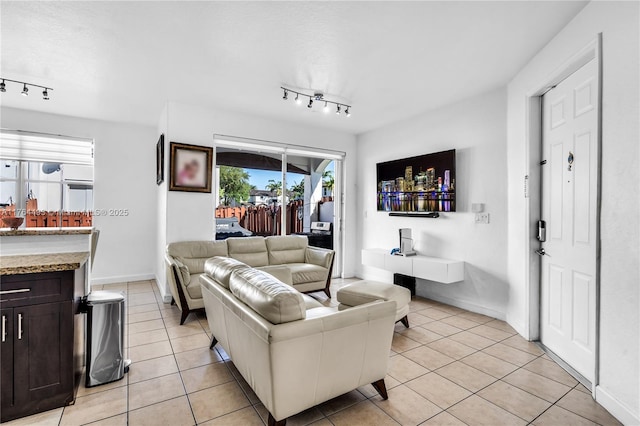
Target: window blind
{"points": [[27, 146]]}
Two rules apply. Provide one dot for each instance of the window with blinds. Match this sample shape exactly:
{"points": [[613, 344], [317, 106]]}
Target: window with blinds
{"points": [[47, 179]]}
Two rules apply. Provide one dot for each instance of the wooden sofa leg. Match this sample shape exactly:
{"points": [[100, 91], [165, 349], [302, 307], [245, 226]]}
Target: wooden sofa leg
{"points": [[327, 292], [381, 388], [405, 321], [273, 422], [183, 300], [328, 286], [173, 301], [214, 341], [185, 314]]}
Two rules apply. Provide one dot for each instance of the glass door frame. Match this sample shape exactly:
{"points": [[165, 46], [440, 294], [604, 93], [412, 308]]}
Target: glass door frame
{"points": [[263, 146]]}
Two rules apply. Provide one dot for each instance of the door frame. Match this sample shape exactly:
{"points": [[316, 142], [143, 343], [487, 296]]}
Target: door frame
{"points": [[533, 186], [284, 149]]}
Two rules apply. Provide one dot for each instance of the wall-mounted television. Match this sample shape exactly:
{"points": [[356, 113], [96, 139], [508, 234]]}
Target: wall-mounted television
{"points": [[422, 184]]}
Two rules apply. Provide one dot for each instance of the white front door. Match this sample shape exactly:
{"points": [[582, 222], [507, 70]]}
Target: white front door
{"points": [[569, 208]]}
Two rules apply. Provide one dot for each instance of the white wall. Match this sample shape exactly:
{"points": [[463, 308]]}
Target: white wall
{"points": [[161, 200], [476, 129], [124, 178], [619, 388], [189, 216]]}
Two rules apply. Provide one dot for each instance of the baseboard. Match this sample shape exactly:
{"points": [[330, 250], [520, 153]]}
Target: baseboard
{"points": [[122, 279], [616, 408], [519, 327], [479, 309]]}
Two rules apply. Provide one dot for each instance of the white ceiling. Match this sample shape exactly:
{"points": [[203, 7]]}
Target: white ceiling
{"points": [[123, 60]]}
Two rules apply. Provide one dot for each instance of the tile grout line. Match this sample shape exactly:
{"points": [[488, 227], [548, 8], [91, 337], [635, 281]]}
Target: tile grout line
{"points": [[173, 355], [476, 351], [454, 359]]}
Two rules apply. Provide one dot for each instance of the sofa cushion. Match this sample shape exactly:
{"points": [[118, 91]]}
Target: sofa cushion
{"points": [[307, 273], [195, 290], [310, 302], [280, 272], [273, 300], [286, 249], [221, 268], [250, 250], [184, 271], [194, 254], [367, 291]]}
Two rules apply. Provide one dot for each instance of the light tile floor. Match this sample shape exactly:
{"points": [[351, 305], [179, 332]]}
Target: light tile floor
{"points": [[452, 367]]}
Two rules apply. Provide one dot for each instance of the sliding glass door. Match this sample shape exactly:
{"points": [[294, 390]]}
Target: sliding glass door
{"points": [[264, 188]]}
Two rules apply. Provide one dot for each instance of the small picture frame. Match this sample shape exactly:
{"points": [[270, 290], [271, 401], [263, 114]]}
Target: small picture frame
{"points": [[190, 168], [160, 160]]}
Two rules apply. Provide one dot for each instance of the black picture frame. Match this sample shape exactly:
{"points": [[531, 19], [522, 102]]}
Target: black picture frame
{"points": [[160, 160], [198, 157]]}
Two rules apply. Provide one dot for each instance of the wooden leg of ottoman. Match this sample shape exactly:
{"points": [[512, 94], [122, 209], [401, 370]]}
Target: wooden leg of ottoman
{"points": [[273, 422], [405, 321]]}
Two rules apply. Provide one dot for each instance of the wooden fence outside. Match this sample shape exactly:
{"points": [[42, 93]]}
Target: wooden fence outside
{"points": [[265, 220], [35, 218]]}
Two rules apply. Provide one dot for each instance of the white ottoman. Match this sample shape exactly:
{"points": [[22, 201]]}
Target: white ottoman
{"points": [[367, 291]]}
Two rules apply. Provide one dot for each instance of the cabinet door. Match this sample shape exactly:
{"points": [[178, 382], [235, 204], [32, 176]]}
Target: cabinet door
{"points": [[43, 355], [6, 359]]}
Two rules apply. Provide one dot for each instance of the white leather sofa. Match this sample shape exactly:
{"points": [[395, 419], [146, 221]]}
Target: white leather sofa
{"points": [[309, 268], [294, 352]]}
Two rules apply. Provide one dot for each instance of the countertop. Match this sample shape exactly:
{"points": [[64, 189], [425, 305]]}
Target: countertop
{"points": [[6, 232], [34, 263]]}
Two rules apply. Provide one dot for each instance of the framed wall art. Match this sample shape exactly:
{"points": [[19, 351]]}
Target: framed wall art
{"points": [[190, 168], [160, 160]]}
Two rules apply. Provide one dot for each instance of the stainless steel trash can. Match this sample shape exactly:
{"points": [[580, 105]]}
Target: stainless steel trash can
{"points": [[105, 337]]}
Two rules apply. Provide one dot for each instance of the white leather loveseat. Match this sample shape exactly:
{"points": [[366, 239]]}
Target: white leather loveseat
{"points": [[294, 352], [308, 268]]}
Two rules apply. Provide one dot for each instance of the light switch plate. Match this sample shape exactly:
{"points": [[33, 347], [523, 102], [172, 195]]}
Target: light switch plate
{"points": [[482, 218]]}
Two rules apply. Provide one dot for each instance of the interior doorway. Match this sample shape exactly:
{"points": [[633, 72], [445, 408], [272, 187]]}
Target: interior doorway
{"points": [[265, 188], [568, 227], [563, 269]]}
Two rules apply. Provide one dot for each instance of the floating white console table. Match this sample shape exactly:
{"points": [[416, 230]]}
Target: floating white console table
{"points": [[428, 268]]}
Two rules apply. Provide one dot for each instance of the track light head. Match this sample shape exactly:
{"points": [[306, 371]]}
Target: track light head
{"points": [[25, 87], [317, 96]]}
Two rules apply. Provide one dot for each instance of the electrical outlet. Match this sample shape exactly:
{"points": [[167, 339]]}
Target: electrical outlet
{"points": [[482, 218]]}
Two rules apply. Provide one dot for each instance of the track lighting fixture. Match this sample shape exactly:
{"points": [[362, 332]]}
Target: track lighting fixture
{"points": [[25, 88], [317, 96]]}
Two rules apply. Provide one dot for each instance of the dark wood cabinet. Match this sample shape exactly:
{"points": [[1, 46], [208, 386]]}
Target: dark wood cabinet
{"points": [[6, 360], [37, 343]]}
